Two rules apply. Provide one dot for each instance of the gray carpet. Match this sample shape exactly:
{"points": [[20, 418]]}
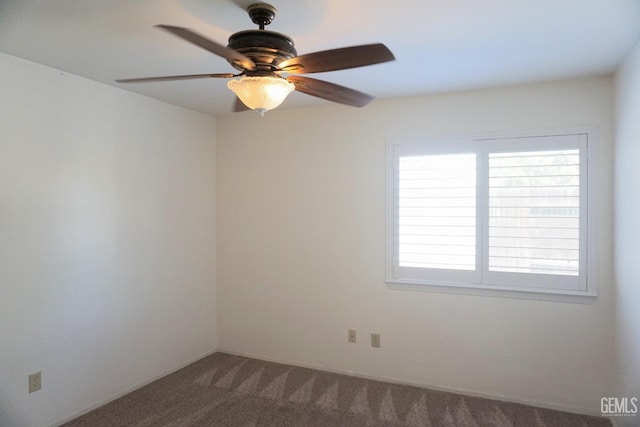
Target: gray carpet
{"points": [[226, 390]]}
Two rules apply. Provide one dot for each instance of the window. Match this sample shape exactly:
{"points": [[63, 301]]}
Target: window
{"points": [[490, 214]]}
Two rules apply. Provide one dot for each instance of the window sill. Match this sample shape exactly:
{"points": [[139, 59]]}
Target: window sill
{"points": [[577, 297]]}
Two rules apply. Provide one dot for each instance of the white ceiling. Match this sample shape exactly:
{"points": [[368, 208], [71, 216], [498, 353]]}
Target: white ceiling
{"points": [[440, 45]]}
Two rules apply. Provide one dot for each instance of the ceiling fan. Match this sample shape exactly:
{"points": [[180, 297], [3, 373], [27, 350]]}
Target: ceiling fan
{"points": [[266, 61]]}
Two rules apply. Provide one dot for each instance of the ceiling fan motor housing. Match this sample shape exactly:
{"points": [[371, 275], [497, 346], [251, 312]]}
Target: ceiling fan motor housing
{"points": [[265, 48]]}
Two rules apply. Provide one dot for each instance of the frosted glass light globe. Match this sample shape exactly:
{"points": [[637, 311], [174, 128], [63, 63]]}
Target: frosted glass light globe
{"points": [[261, 93]]}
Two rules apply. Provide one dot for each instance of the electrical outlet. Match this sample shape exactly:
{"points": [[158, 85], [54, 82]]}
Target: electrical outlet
{"points": [[352, 335], [35, 382], [375, 340]]}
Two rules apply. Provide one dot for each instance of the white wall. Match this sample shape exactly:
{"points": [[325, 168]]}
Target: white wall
{"points": [[627, 232], [301, 251], [107, 241]]}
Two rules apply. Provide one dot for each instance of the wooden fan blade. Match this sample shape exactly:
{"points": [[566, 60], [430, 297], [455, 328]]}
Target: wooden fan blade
{"points": [[166, 78], [330, 91], [338, 59], [238, 106], [211, 46]]}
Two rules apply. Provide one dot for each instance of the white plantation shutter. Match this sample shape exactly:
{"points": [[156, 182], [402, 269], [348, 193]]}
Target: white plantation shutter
{"points": [[534, 212], [437, 211], [535, 219], [501, 213], [435, 228]]}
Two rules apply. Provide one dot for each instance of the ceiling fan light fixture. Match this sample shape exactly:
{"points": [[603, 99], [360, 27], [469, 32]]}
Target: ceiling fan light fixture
{"points": [[262, 56], [261, 93]]}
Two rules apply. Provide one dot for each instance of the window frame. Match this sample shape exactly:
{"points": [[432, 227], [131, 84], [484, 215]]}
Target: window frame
{"points": [[482, 281]]}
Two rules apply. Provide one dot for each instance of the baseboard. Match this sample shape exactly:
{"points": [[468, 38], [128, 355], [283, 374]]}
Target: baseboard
{"points": [[130, 389], [474, 393]]}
